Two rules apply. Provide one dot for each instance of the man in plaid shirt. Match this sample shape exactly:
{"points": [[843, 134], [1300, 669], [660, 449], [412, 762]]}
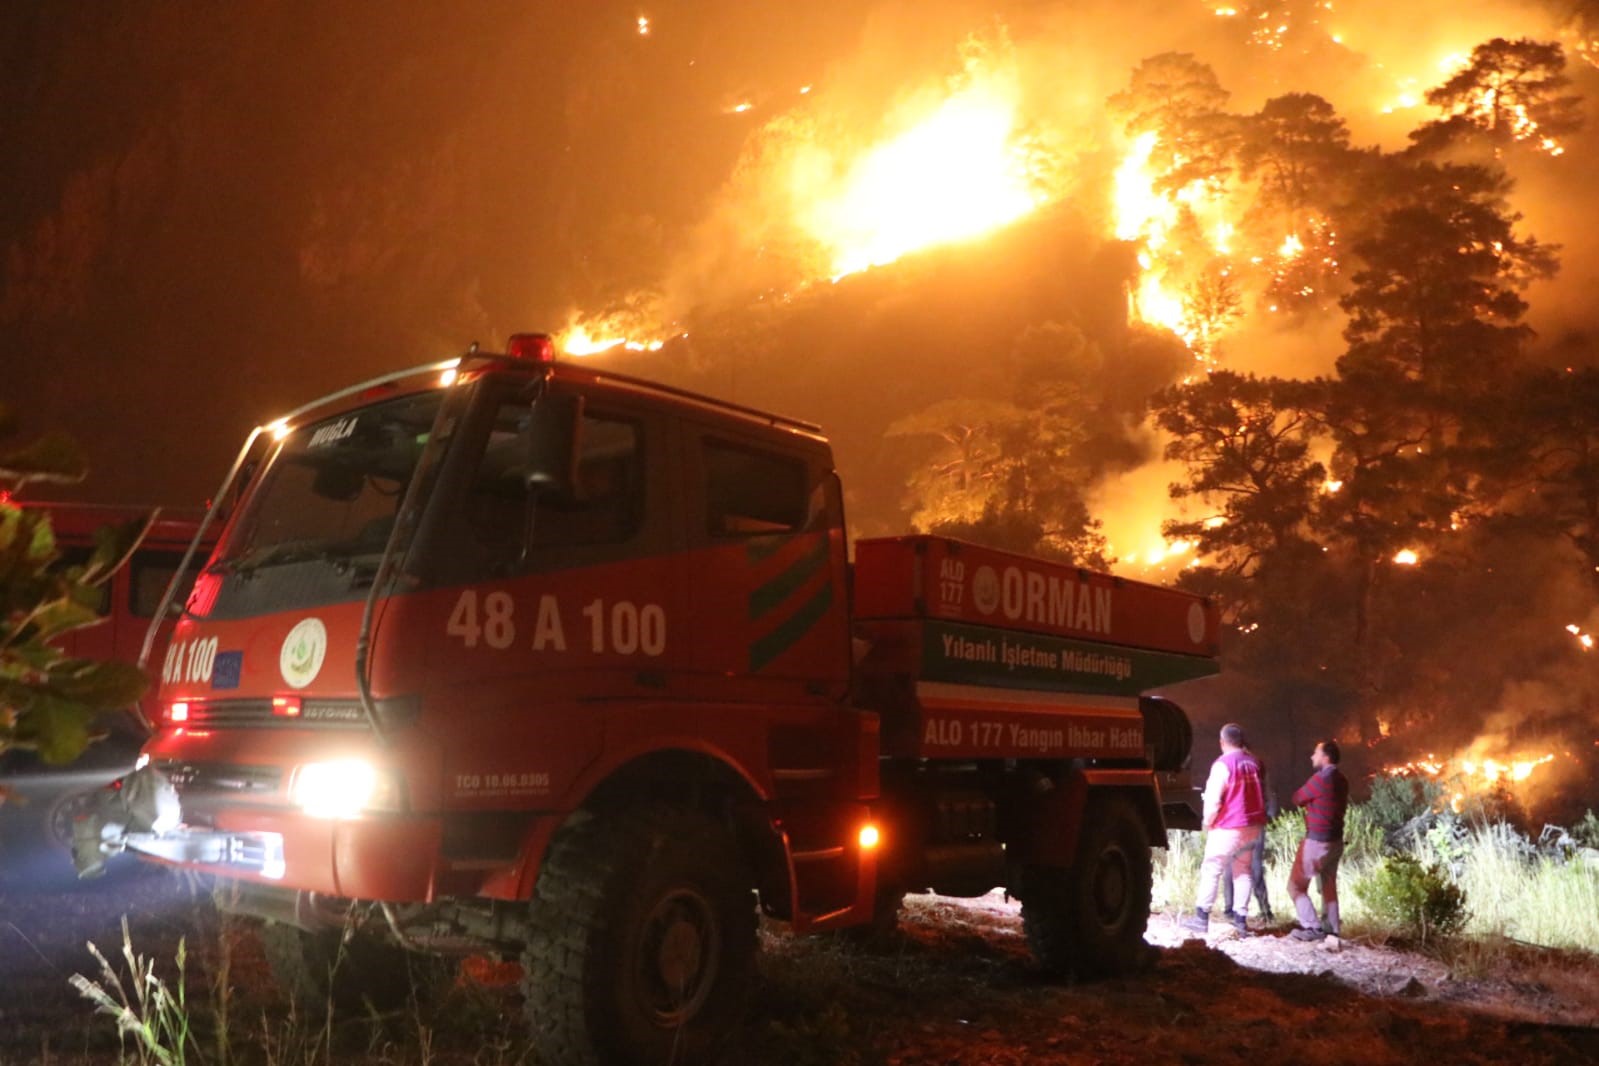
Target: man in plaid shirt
{"points": [[1325, 798]]}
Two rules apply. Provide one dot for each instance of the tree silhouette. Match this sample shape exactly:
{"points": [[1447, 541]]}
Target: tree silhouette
{"points": [[1247, 453], [1509, 91], [1297, 147]]}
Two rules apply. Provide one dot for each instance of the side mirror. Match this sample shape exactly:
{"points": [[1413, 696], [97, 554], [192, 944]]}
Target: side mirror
{"points": [[550, 444]]}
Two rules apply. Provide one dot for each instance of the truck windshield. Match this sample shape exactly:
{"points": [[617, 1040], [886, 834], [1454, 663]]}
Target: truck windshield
{"points": [[333, 488]]}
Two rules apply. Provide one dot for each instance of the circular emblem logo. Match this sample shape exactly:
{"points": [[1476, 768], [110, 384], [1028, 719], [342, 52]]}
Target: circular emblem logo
{"points": [[985, 589], [303, 651], [1196, 623]]}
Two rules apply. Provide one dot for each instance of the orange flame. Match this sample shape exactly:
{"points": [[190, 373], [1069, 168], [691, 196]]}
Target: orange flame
{"points": [[957, 173], [1467, 776]]}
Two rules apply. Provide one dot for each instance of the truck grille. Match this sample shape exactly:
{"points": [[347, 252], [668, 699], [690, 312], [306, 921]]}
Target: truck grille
{"points": [[258, 714]]}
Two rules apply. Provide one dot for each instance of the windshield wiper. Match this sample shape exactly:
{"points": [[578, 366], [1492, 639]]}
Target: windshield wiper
{"points": [[344, 560], [277, 555]]}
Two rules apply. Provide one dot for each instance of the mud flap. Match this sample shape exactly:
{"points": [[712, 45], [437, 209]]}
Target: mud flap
{"points": [[142, 802]]}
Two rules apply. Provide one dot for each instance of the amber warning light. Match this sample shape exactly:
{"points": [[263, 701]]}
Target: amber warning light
{"points": [[178, 711], [534, 347], [286, 706]]}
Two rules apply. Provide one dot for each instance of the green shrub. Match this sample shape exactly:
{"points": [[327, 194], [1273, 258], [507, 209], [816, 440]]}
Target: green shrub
{"points": [[1586, 832], [1176, 869], [1398, 800], [1363, 835], [1283, 834], [1413, 899]]}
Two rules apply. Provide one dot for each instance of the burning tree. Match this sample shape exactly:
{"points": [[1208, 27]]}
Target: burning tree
{"points": [[1179, 100], [1008, 470], [1509, 91]]}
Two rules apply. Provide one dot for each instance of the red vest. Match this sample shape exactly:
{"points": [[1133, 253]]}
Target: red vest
{"points": [[1243, 798]]}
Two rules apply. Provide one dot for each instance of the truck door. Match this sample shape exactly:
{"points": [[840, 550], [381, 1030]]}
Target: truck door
{"points": [[545, 607], [765, 527]]}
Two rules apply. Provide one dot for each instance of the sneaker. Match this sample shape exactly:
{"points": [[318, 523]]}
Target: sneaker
{"points": [[1307, 934], [1231, 916], [1240, 924], [1198, 922]]}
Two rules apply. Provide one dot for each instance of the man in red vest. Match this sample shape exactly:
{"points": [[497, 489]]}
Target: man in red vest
{"points": [[1235, 817]]}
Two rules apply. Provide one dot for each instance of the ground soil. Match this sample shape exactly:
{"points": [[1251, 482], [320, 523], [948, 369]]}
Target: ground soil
{"points": [[954, 986]]}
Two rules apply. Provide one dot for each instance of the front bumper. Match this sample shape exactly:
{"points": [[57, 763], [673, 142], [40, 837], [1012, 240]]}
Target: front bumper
{"points": [[243, 853], [379, 856]]}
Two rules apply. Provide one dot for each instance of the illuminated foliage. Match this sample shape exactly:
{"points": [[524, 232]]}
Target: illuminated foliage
{"points": [[48, 699], [1006, 467], [1178, 99]]}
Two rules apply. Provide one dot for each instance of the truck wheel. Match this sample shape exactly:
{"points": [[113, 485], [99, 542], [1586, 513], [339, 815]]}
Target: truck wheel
{"points": [[316, 970], [1089, 920], [642, 939]]}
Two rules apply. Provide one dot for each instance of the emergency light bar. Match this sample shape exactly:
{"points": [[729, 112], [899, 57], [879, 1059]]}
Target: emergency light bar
{"points": [[535, 347]]}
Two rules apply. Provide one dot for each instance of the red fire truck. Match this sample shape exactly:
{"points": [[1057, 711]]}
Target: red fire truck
{"points": [[512, 654]]}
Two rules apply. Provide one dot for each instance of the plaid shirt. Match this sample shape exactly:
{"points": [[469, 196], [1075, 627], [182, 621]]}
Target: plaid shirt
{"points": [[1325, 797]]}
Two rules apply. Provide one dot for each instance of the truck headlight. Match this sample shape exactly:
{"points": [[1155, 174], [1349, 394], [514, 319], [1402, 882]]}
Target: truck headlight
{"points": [[342, 789]]}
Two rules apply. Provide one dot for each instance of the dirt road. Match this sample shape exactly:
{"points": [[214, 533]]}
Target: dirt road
{"points": [[954, 988]]}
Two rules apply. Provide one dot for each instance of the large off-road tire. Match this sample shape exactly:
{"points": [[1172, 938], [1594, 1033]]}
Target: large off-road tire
{"points": [[1089, 920], [322, 969], [642, 940]]}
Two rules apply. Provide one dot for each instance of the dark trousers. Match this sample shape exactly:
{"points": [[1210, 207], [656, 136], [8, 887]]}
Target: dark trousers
{"points": [[1257, 867]]}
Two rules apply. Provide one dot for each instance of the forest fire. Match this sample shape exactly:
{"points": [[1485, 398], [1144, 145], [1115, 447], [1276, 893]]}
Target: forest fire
{"points": [[959, 171], [1233, 220], [1467, 778], [627, 329], [579, 340]]}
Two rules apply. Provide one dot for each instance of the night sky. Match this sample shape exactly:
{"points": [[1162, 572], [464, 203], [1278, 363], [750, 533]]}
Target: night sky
{"points": [[211, 214]]}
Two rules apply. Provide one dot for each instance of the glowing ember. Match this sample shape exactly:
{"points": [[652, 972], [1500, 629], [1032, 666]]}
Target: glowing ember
{"points": [[643, 25], [1407, 557], [958, 173], [1583, 638]]}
